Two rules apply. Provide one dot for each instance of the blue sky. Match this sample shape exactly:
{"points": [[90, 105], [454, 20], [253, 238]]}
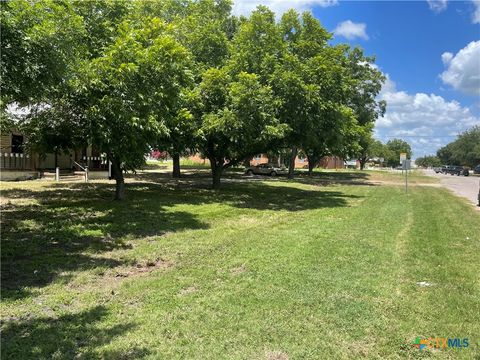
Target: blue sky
{"points": [[430, 51]]}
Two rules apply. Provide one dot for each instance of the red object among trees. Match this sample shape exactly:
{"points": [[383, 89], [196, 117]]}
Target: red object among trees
{"points": [[158, 155]]}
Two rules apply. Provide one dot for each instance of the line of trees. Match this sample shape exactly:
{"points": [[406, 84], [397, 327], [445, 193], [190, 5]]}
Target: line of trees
{"points": [[465, 150], [183, 76], [428, 161], [371, 148]]}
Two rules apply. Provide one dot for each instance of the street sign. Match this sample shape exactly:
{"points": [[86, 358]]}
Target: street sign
{"points": [[406, 165], [403, 156]]}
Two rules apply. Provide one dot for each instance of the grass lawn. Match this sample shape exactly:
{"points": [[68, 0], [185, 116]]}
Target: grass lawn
{"points": [[316, 268]]}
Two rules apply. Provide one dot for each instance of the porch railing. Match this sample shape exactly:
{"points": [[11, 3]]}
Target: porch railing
{"points": [[14, 161], [85, 169]]}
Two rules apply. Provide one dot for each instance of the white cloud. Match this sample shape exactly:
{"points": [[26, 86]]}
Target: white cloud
{"points": [[351, 30], [476, 12], [426, 121], [437, 5], [447, 57], [245, 7], [389, 85], [463, 69]]}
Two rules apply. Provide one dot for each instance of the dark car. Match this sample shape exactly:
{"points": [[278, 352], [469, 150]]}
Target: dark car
{"points": [[476, 170], [445, 169], [457, 170], [266, 169]]}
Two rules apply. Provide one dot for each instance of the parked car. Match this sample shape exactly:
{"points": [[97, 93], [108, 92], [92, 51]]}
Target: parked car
{"points": [[266, 169], [476, 170], [446, 169], [457, 170], [438, 169]]}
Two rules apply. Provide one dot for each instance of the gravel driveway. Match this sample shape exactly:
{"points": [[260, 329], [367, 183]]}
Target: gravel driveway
{"points": [[464, 186]]}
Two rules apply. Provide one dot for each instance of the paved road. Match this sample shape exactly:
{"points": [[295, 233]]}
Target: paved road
{"points": [[464, 186]]}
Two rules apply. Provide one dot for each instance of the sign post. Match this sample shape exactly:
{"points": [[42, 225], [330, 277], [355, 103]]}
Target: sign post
{"points": [[403, 157], [406, 166]]}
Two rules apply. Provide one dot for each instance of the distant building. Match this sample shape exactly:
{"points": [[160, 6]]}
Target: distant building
{"points": [[327, 162]]}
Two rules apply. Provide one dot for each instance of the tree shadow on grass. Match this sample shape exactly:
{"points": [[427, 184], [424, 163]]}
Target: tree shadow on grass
{"points": [[66, 337], [64, 228], [281, 197], [334, 178], [257, 195], [201, 178]]}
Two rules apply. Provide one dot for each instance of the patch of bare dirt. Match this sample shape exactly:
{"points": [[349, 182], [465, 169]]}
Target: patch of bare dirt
{"points": [[360, 349], [238, 270], [112, 278], [146, 266], [187, 291], [276, 355]]}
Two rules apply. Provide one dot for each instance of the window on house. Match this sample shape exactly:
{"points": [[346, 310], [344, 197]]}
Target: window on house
{"points": [[258, 156], [17, 144]]}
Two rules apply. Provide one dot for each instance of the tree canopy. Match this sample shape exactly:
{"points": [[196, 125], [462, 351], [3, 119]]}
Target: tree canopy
{"points": [[130, 92], [465, 150], [370, 148], [185, 76], [395, 148], [428, 161]]}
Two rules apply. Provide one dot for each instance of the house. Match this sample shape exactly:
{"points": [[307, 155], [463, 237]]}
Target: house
{"points": [[301, 162], [17, 163], [332, 162]]}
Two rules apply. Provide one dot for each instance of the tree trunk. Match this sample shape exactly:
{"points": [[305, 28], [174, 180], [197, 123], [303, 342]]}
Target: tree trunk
{"points": [[217, 170], [291, 167], [119, 187], [176, 165], [119, 180], [362, 161], [311, 164]]}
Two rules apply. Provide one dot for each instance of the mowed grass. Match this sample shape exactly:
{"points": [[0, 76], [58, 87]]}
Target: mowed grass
{"points": [[389, 176], [270, 269]]}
